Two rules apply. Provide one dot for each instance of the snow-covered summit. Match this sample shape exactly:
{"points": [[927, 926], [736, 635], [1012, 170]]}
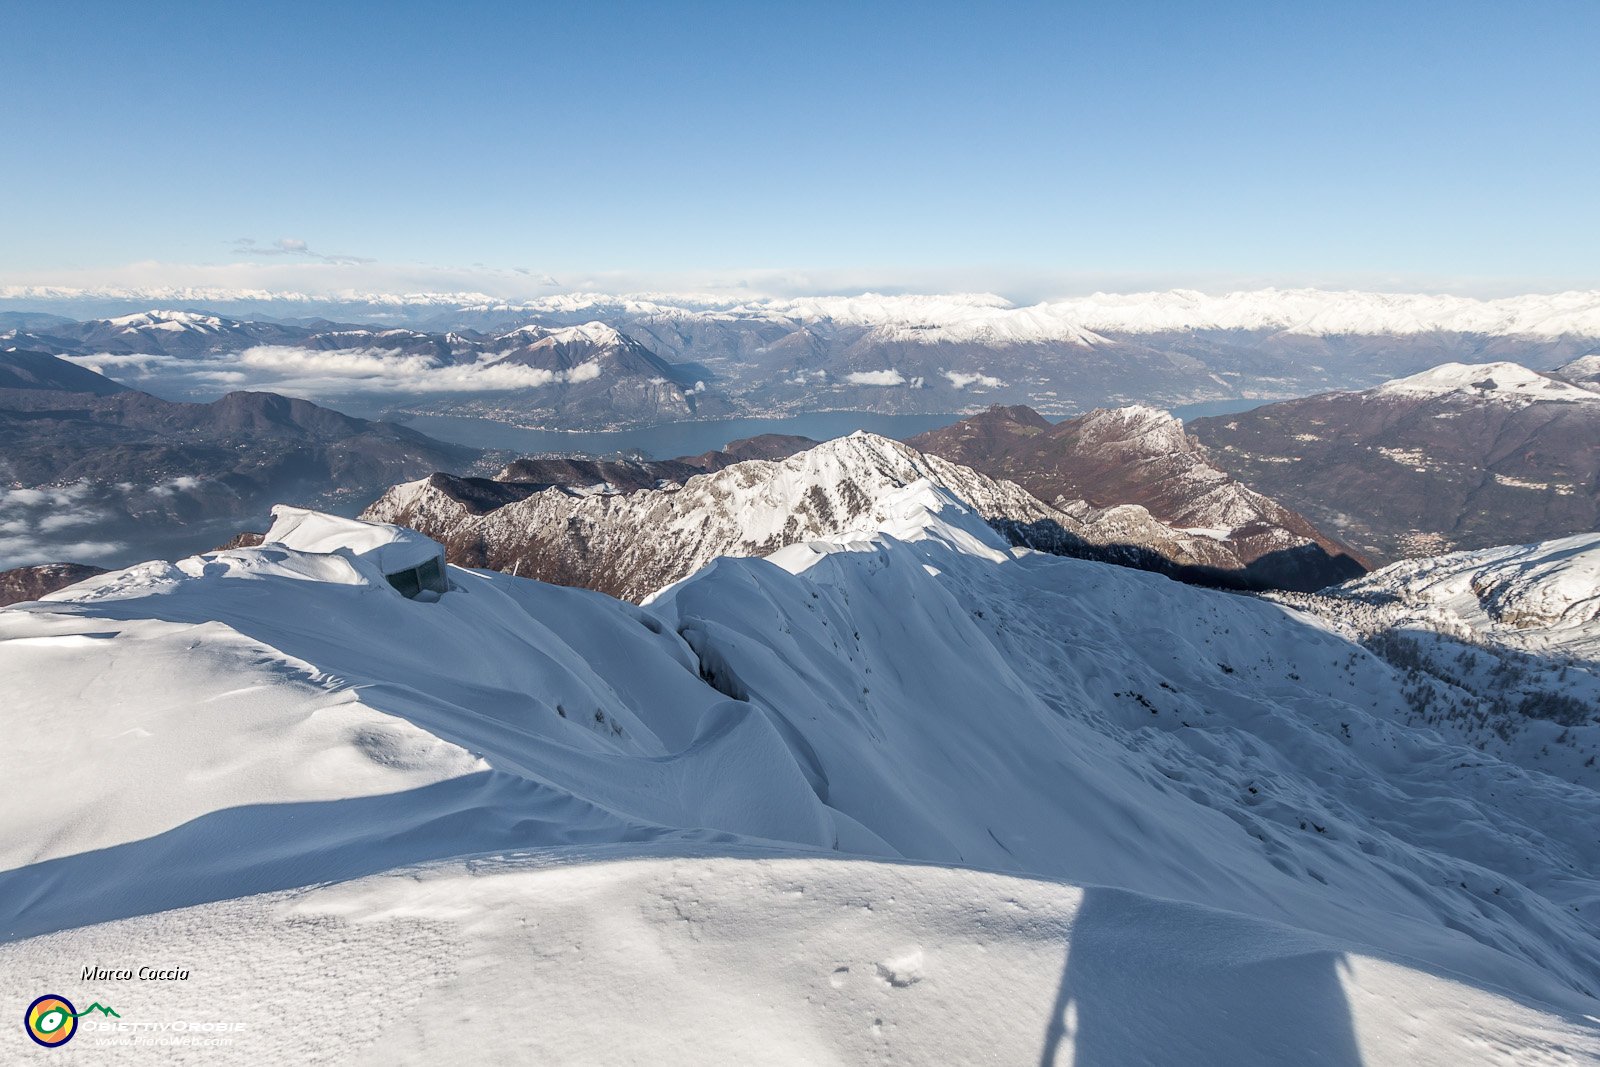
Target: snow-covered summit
{"points": [[1508, 382], [596, 333], [171, 321], [850, 485]]}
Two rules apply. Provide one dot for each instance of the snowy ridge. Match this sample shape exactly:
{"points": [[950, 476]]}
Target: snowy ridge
{"points": [[920, 694], [1548, 590], [747, 509], [843, 486], [1583, 371]]}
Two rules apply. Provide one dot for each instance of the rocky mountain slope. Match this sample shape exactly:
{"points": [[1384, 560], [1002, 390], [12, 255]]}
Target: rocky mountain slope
{"points": [[1136, 466], [98, 473], [578, 523], [858, 787], [1459, 456], [630, 544]]}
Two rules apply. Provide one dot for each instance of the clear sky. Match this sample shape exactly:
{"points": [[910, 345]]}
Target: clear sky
{"points": [[1014, 147]]}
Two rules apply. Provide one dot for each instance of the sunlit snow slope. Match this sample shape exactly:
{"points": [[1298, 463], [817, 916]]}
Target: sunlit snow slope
{"points": [[777, 788]]}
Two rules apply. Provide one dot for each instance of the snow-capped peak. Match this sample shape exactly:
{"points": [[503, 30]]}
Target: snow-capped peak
{"points": [[173, 321], [1489, 381], [597, 334]]}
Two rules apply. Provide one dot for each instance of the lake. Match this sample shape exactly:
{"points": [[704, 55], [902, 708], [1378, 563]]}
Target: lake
{"points": [[675, 439], [670, 440]]}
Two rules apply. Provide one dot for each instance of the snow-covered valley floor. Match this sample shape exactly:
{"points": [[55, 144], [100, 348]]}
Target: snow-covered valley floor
{"points": [[904, 796]]}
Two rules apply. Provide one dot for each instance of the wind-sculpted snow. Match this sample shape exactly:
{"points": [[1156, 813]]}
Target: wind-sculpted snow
{"points": [[1279, 852]]}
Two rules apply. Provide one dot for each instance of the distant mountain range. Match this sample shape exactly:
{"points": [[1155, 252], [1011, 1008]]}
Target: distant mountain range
{"points": [[592, 361], [583, 375], [1460, 456]]}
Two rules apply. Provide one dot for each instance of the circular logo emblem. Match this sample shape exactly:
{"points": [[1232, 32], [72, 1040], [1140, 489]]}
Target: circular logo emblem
{"points": [[51, 1020]]}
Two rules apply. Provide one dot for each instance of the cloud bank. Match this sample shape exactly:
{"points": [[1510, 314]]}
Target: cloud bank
{"points": [[318, 373]]}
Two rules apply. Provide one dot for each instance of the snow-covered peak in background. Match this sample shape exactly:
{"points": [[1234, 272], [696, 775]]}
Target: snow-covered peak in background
{"points": [[597, 334], [1487, 381], [1148, 429], [174, 321], [1084, 320], [1312, 312], [981, 318]]}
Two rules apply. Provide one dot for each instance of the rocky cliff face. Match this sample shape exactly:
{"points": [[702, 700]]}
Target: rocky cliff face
{"points": [[1136, 476]]}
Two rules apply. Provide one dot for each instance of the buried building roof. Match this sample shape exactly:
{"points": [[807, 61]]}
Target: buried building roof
{"points": [[412, 563]]}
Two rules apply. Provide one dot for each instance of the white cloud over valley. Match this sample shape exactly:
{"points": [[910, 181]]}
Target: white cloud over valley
{"points": [[315, 373]]}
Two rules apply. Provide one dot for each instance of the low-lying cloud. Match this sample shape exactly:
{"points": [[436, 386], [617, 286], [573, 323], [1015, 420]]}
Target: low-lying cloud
{"points": [[876, 377], [982, 381], [315, 373], [54, 524]]}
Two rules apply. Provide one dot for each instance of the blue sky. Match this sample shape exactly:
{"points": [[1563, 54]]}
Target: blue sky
{"points": [[1059, 147]]}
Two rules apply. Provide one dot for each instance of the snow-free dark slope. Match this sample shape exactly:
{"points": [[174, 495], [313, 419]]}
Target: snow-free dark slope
{"points": [[1460, 456], [39, 370], [119, 473], [1133, 464], [31, 583], [759, 800]]}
